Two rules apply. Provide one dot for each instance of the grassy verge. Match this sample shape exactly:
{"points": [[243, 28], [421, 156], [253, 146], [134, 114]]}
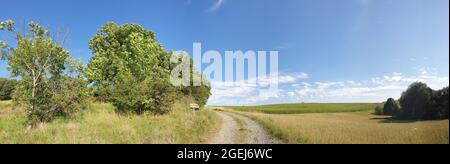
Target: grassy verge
{"points": [[307, 108], [351, 128], [100, 124]]}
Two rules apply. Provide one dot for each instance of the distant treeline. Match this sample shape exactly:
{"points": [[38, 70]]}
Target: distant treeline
{"points": [[419, 102]]}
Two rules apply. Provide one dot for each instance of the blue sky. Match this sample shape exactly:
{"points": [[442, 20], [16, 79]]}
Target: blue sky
{"points": [[330, 50]]}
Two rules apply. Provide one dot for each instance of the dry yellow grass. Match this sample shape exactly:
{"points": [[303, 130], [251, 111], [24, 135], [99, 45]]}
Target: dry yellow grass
{"points": [[352, 128]]}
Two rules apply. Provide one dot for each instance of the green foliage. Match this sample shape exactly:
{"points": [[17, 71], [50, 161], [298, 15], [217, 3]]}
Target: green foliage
{"points": [[415, 101], [379, 110], [152, 95], [200, 93], [7, 87], [442, 102], [130, 69], [422, 103], [391, 107], [439, 105], [46, 88]]}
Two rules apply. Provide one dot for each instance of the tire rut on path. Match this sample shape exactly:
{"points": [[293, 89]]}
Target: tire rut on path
{"points": [[231, 131]]}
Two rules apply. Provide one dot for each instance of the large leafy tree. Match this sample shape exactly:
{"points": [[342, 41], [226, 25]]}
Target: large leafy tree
{"points": [[130, 68], [46, 88], [416, 101]]}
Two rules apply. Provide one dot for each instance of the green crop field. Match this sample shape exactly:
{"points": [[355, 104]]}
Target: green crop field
{"points": [[307, 108]]}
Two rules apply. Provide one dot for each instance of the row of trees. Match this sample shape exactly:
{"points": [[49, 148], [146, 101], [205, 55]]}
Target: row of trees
{"points": [[129, 68], [419, 102]]}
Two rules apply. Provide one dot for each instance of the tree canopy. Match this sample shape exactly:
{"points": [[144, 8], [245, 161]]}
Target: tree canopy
{"points": [[130, 68], [45, 89]]}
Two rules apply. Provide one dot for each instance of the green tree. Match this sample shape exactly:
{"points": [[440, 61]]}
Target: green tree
{"points": [[443, 101], [391, 107], [440, 105], [199, 93], [130, 68], [7, 87], [416, 101], [46, 88]]}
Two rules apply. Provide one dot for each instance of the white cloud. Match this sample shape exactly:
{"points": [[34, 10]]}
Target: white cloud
{"points": [[247, 92], [394, 77], [293, 88], [291, 94], [374, 90], [217, 4]]}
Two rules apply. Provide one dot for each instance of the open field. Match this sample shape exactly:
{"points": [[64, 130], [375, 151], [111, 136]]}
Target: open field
{"points": [[307, 108], [351, 128], [100, 124]]}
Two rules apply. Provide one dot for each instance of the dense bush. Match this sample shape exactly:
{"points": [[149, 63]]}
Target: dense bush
{"points": [[150, 95], [7, 87], [50, 82], [379, 110], [391, 107]]}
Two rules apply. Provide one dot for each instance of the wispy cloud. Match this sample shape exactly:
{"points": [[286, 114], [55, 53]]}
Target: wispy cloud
{"points": [[248, 93], [217, 4], [286, 45], [365, 2], [297, 87], [374, 90]]}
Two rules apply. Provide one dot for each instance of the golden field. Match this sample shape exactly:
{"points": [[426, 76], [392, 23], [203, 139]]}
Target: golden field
{"points": [[351, 128]]}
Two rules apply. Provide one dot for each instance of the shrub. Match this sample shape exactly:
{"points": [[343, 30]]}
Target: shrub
{"points": [[379, 110], [7, 87], [391, 107], [151, 96]]}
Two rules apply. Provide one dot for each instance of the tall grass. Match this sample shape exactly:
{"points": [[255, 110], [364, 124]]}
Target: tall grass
{"points": [[352, 128], [100, 124]]}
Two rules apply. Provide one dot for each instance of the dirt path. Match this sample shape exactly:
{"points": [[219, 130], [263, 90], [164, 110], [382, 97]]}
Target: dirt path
{"points": [[238, 129]]}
